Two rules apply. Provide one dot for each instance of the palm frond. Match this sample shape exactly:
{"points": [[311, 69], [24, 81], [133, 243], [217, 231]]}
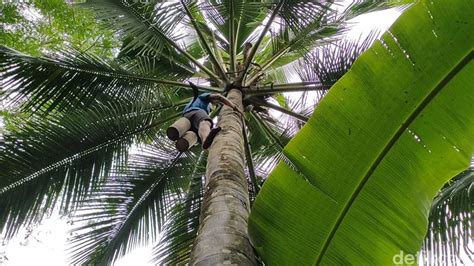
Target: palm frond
{"points": [[450, 228], [154, 180], [266, 140], [298, 14], [70, 79], [294, 110], [286, 45], [254, 185], [235, 20], [300, 32], [283, 110], [142, 22], [359, 7], [182, 225], [327, 64], [164, 67], [62, 159], [149, 27]]}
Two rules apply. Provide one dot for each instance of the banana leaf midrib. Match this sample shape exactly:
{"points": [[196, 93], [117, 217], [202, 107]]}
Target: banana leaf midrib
{"points": [[393, 140]]}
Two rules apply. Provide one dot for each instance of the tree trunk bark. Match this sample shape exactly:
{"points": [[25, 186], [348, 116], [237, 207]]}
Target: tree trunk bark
{"points": [[222, 237]]}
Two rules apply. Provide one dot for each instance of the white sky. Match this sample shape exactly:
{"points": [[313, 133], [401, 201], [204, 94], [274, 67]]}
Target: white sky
{"points": [[45, 244]]}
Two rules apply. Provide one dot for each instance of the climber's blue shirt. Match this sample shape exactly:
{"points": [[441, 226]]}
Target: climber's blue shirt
{"points": [[202, 102]]}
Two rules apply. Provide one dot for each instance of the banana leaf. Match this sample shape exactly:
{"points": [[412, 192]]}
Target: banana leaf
{"points": [[362, 173]]}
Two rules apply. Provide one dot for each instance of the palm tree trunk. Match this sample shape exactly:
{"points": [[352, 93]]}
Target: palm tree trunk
{"points": [[222, 237]]}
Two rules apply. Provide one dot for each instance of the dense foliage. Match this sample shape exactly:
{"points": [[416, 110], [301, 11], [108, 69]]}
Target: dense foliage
{"points": [[39, 26]]}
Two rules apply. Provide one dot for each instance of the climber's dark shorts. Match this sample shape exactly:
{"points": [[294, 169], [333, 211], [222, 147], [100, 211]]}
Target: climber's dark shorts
{"points": [[196, 117]]}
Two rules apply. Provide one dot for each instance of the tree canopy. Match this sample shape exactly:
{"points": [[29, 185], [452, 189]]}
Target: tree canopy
{"points": [[39, 26]]}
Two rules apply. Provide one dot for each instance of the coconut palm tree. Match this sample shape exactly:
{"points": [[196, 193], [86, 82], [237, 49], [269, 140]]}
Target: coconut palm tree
{"points": [[88, 135]]}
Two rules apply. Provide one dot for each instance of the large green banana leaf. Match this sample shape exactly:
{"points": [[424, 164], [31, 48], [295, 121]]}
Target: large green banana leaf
{"points": [[368, 163]]}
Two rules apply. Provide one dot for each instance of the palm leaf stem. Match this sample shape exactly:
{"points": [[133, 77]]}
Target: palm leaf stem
{"points": [[282, 52], [466, 179], [282, 110], [19, 57], [291, 85], [205, 44], [217, 52], [266, 129], [232, 40], [237, 30], [296, 87], [267, 64], [176, 83], [275, 141], [249, 159], [255, 47]]}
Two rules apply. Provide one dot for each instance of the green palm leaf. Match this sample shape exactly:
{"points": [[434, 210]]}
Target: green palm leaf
{"points": [[306, 25], [359, 7], [181, 227], [329, 63], [266, 140], [236, 20], [130, 209], [450, 222], [286, 46], [63, 159], [298, 15], [150, 28], [164, 67], [143, 22], [396, 142], [71, 79]]}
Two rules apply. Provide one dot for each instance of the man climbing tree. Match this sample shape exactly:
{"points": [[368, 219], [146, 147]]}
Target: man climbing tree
{"points": [[196, 124]]}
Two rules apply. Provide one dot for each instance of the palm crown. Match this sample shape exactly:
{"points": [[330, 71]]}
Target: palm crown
{"points": [[92, 143]]}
